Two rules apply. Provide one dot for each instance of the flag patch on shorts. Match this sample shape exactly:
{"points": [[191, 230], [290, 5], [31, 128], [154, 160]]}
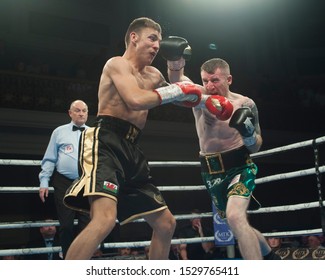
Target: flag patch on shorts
{"points": [[110, 187]]}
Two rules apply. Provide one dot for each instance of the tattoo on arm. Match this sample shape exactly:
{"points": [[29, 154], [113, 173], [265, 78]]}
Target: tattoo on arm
{"points": [[255, 113]]}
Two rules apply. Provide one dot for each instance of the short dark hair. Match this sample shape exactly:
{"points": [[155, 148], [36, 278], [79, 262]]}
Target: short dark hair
{"points": [[138, 24], [212, 64]]}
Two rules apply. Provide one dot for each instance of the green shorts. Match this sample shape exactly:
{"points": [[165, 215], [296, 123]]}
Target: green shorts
{"points": [[222, 179]]}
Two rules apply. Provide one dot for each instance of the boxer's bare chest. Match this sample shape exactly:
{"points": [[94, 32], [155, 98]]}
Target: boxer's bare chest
{"points": [[145, 80]]}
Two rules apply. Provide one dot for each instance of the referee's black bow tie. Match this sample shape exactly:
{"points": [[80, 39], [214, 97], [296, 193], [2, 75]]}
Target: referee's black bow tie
{"points": [[74, 128]]}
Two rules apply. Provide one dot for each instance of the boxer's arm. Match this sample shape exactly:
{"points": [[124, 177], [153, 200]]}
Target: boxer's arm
{"points": [[136, 98], [177, 75], [259, 140]]}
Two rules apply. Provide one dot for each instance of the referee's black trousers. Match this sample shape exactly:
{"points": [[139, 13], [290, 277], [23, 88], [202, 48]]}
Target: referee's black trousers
{"points": [[66, 216]]}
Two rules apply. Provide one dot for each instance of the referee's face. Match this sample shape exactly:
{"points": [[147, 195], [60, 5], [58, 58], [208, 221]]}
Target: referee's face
{"points": [[79, 113]]}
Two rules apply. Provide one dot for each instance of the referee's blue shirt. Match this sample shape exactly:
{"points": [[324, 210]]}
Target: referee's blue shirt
{"points": [[61, 153]]}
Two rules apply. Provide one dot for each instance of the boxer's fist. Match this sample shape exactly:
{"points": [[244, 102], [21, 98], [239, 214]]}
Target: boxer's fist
{"points": [[192, 94], [174, 48], [219, 106], [244, 121], [184, 92]]}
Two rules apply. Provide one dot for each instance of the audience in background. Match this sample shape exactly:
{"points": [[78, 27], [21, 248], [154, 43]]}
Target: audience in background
{"points": [[174, 253], [195, 251], [313, 241], [126, 251], [274, 242], [47, 238]]}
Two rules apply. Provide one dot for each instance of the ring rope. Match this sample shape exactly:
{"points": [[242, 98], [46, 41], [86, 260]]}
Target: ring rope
{"points": [[266, 179], [306, 143], [289, 147], [288, 175], [282, 208], [285, 208], [31, 224], [9, 189], [57, 249]]}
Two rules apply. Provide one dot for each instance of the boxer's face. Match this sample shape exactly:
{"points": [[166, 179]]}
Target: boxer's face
{"points": [[147, 44], [216, 83]]}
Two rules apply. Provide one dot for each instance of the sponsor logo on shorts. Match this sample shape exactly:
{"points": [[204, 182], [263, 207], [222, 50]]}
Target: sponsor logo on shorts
{"points": [[110, 187]]}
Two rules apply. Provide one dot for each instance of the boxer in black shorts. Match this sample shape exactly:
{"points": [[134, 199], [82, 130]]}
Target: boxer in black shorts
{"points": [[119, 172], [114, 175]]}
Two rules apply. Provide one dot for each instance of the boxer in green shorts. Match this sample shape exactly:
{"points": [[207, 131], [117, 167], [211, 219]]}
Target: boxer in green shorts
{"points": [[226, 138]]}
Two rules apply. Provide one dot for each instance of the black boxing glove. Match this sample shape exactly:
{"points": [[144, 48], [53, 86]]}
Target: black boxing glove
{"points": [[244, 121], [173, 48]]}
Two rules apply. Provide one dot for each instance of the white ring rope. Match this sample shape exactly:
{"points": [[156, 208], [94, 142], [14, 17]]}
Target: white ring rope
{"points": [[282, 208], [267, 179], [305, 172], [31, 224], [56, 249], [183, 163], [135, 244], [285, 208], [298, 145], [21, 189], [289, 175]]}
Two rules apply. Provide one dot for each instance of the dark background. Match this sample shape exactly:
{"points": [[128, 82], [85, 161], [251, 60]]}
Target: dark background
{"points": [[276, 50]]}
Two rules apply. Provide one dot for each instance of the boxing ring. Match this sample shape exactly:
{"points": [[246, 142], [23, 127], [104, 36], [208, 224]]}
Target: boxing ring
{"points": [[316, 171]]}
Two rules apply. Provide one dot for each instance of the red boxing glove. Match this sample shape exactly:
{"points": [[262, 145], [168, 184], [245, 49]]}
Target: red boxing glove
{"points": [[219, 106]]}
